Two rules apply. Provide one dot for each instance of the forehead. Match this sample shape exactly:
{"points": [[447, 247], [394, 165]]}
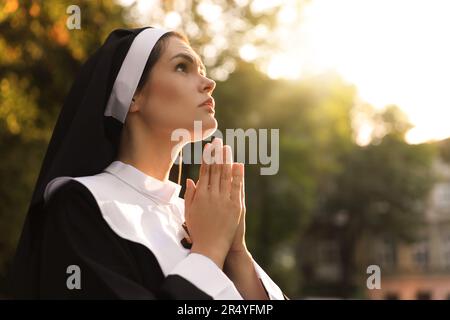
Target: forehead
{"points": [[176, 46]]}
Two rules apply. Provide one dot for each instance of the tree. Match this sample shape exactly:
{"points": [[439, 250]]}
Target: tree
{"points": [[379, 192]]}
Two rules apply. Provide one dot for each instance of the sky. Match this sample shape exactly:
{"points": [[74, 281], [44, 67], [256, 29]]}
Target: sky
{"points": [[394, 51]]}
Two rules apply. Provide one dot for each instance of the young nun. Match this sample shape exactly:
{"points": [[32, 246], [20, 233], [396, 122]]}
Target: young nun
{"points": [[105, 221]]}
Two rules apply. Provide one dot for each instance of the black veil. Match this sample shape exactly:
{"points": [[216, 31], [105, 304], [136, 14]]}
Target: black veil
{"points": [[84, 142]]}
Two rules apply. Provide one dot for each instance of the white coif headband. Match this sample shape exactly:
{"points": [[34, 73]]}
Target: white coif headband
{"points": [[130, 72]]}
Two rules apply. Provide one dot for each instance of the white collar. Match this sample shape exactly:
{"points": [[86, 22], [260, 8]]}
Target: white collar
{"points": [[166, 192]]}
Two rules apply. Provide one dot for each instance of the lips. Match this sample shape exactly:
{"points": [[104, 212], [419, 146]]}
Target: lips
{"points": [[208, 102]]}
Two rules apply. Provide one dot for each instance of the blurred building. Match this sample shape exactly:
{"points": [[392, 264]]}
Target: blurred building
{"points": [[420, 270]]}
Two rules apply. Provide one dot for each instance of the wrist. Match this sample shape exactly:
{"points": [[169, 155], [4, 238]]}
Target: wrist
{"points": [[212, 253], [240, 249], [237, 258]]}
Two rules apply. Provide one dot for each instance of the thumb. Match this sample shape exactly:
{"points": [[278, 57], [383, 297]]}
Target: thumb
{"points": [[190, 191]]}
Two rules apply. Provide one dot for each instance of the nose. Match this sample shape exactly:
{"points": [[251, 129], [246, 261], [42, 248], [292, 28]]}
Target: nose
{"points": [[209, 85]]}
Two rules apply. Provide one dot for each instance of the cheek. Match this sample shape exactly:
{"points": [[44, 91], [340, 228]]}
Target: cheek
{"points": [[175, 92], [171, 103], [166, 92]]}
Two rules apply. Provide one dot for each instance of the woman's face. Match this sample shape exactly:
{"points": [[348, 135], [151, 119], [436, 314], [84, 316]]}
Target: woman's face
{"points": [[174, 91]]}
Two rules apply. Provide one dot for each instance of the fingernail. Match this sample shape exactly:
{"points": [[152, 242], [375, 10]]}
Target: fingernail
{"points": [[207, 154], [217, 147], [228, 155], [241, 168]]}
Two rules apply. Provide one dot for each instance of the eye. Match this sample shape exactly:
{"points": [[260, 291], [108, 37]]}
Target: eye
{"points": [[182, 66]]}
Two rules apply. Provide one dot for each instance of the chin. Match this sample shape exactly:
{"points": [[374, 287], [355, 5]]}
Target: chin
{"points": [[208, 133], [209, 127]]}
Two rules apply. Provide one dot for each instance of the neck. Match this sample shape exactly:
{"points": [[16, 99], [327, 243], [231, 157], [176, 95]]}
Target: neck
{"points": [[150, 153]]}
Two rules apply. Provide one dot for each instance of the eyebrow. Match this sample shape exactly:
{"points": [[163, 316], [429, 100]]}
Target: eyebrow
{"points": [[190, 59]]}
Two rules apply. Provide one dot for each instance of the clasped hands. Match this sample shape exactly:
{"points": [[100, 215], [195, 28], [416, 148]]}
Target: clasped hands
{"points": [[215, 205]]}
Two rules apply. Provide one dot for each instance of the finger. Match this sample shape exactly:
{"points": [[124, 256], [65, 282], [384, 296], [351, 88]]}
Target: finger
{"points": [[190, 191], [203, 180], [237, 176], [225, 178], [216, 169], [208, 153], [214, 178], [218, 154], [243, 181], [243, 186]]}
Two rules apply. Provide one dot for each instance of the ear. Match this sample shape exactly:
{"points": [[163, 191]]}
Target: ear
{"points": [[133, 106]]}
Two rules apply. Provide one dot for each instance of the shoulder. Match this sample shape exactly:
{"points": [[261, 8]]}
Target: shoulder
{"points": [[72, 198], [70, 191], [74, 212]]}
